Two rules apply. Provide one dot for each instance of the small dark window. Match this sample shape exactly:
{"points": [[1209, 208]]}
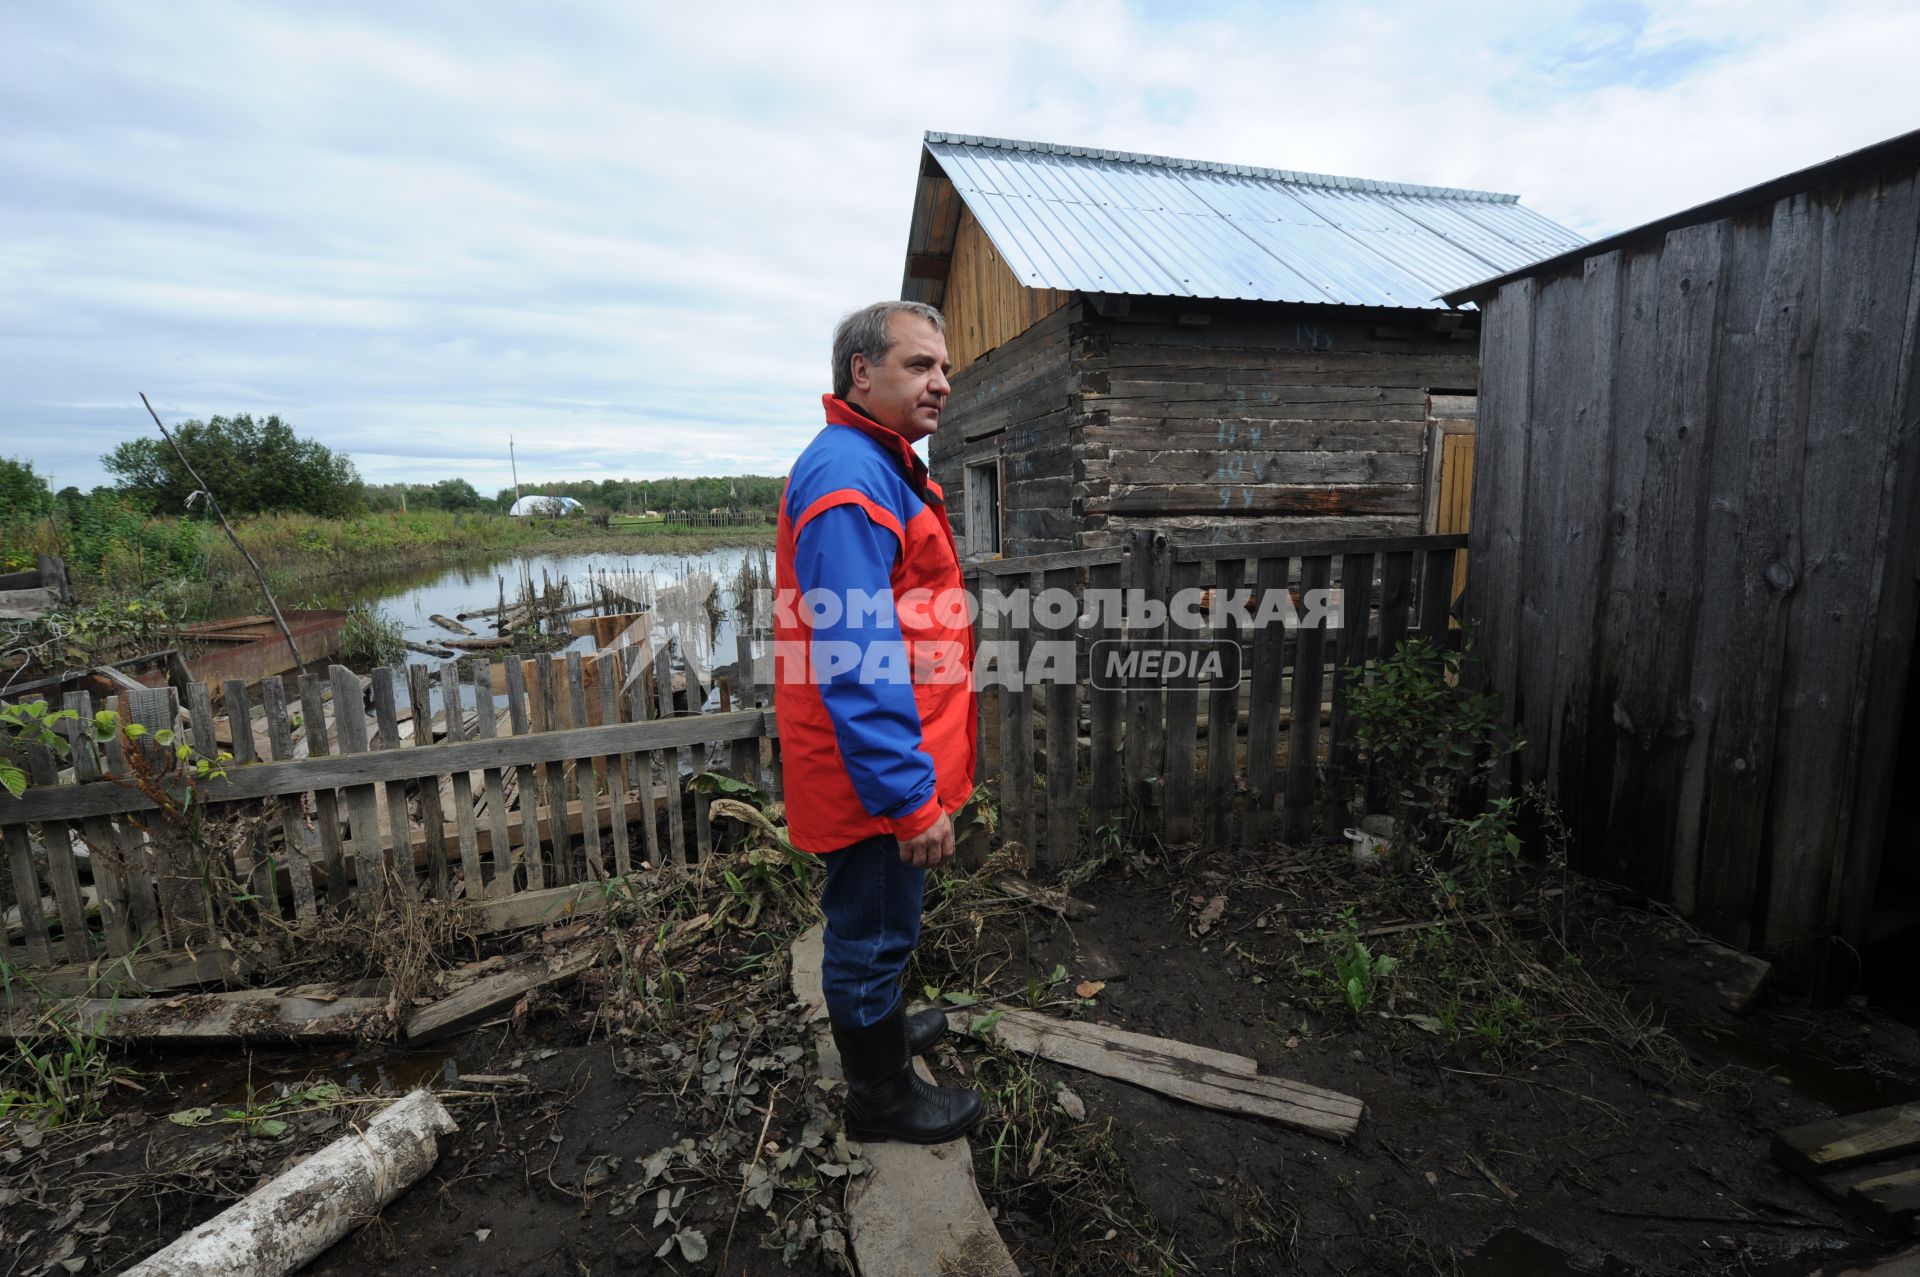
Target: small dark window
{"points": [[983, 508]]}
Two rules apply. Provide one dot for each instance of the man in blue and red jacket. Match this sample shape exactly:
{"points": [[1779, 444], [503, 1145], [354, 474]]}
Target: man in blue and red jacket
{"points": [[874, 692]]}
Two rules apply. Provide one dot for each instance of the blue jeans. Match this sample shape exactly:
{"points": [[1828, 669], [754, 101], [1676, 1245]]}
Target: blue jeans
{"points": [[872, 902]]}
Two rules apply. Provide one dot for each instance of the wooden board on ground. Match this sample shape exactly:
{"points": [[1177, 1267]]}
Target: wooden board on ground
{"points": [[918, 1212], [1198, 1075], [1870, 1162], [308, 1014], [489, 996]]}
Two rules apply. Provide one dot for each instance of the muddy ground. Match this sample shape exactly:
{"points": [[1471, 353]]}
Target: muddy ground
{"points": [[1546, 1094]]}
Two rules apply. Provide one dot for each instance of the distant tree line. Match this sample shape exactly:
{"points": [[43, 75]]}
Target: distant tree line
{"points": [[743, 493], [261, 465]]}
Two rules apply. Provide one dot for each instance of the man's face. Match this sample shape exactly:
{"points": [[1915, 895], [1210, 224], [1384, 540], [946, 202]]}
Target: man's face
{"points": [[907, 390]]}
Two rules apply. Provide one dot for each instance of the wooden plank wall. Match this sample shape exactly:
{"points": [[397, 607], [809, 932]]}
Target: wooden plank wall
{"points": [[984, 304], [1695, 537], [1220, 761]]}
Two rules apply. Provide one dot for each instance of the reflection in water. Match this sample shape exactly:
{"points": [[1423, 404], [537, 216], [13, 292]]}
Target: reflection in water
{"points": [[671, 583]]}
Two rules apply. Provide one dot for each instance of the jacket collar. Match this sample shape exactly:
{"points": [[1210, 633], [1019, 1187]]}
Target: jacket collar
{"points": [[842, 413]]}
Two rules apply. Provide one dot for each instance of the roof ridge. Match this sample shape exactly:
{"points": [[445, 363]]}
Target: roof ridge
{"points": [[1292, 176]]}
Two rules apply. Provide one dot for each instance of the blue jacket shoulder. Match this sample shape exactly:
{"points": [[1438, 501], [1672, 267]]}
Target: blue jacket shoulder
{"points": [[839, 458]]}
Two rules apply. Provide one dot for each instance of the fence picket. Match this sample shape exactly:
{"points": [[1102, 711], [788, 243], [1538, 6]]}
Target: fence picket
{"points": [[493, 784], [1016, 737], [1182, 711], [583, 774], [1396, 601], [633, 698], [521, 724], [1149, 570], [386, 716], [239, 715], [200, 722], [1436, 595], [1268, 648], [1103, 709], [326, 802], [62, 874], [1349, 673], [102, 840], [363, 807], [663, 689], [1303, 742], [27, 896], [1223, 712], [615, 767], [273, 699], [547, 718], [1063, 740], [454, 707]]}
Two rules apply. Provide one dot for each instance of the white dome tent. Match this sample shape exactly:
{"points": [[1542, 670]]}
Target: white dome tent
{"points": [[548, 507]]}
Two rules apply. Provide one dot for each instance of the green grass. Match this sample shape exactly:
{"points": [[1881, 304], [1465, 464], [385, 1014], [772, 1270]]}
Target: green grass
{"points": [[112, 548]]}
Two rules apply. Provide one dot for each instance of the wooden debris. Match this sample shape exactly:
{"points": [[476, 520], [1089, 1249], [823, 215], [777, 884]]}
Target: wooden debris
{"points": [[450, 625], [486, 997], [309, 1014], [918, 1212], [1057, 901], [428, 649], [283, 1226], [476, 644], [1869, 1162], [1199, 1075]]}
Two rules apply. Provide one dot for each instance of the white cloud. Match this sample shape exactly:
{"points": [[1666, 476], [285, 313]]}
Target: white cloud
{"points": [[622, 232]]}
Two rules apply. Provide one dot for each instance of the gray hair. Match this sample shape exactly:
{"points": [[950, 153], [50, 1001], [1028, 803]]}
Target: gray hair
{"points": [[868, 332]]}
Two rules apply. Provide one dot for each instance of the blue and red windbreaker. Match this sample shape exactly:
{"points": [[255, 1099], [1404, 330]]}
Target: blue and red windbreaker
{"points": [[873, 648]]}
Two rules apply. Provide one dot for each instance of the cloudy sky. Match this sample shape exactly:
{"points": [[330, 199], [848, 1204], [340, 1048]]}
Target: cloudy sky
{"points": [[621, 232]]}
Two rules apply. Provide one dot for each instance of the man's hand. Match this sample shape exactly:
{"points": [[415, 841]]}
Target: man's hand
{"points": [[931, 847]]}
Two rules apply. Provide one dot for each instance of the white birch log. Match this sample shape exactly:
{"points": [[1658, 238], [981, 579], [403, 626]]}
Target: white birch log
{"points": [[282, 1227]]}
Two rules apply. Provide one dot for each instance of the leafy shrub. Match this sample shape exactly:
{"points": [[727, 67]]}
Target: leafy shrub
{"points": [[371, 638], [1427, 741]]}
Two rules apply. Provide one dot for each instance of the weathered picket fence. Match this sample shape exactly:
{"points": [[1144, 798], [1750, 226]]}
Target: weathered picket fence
{"points": [[516, 799], [1238, 758], [505, 795]]}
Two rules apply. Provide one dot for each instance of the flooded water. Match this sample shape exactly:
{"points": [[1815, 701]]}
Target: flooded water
{"points": [[639, 578]]}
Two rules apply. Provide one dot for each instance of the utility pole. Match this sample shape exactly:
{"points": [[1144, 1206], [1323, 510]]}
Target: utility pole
{"points": [[512, 461]]}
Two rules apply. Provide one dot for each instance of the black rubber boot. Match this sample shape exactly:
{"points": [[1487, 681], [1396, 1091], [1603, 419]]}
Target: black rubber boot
{"points": [[924, 1028], [887, 1099]]}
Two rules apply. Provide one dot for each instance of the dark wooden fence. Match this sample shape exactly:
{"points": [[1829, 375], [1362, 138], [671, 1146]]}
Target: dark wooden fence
{"points": [[1266, 755]]}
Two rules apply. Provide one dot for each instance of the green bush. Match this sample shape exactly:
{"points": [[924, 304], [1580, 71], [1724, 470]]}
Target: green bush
{"points": [[1426, 740]]}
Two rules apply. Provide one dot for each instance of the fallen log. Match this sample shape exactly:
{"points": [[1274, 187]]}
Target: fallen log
{"points": [[283, 1226], [308, 1014], [476, 644], [428, 649], [1196, 1074], [450, 625]]}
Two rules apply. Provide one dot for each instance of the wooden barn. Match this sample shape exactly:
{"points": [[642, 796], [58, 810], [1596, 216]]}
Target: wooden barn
{"points": [[1696, 533], [1226, 352]]}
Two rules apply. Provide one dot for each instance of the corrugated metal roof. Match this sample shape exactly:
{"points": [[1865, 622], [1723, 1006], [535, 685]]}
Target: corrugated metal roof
{"points": [[1118, 222]]}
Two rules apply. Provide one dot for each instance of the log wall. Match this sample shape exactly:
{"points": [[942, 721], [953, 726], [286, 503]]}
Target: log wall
{"points": [[1260, 423]]}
